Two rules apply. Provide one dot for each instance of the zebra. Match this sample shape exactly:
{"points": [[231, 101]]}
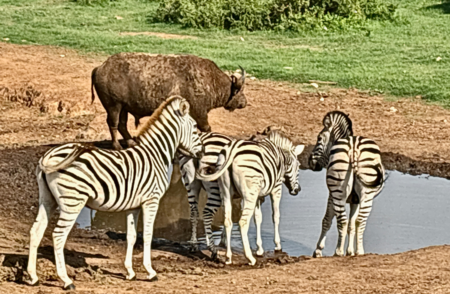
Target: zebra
{"points": [[355, 175], [73, 175], [213, 143], [257, 169]]}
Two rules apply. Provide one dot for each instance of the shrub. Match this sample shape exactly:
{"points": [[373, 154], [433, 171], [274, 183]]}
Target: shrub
{"points": [[272, 14]]}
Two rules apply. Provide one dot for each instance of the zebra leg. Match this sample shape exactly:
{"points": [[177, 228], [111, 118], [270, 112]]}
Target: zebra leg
{"points": [[342, 224], [149, 208], [226, 194], [326, 225], [62, 229], [258, 221], [132, 222], [354, 211], [193, 194], [47, 206], [212, 205], [193, 187], [250, 196], [276, 198], [361, 221]]}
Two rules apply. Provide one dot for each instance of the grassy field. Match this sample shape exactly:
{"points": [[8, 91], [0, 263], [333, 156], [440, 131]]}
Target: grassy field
{"points": [[409, 58]]}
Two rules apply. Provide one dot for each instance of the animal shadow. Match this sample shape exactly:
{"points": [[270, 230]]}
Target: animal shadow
{"points": [[19, 262]]}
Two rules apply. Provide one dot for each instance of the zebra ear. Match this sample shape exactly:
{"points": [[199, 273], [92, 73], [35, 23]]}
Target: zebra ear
{"points": [[184, 108], [327, 122], [299, 149]]}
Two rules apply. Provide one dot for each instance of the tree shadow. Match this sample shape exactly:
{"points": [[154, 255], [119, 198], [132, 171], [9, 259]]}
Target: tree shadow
{"points": [[444, 6]]}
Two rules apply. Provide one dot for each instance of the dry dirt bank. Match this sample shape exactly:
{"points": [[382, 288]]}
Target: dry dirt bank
{"points": [[45, 99]]}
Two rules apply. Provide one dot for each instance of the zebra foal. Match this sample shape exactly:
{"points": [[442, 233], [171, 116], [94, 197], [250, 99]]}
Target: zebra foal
{"points": [[355, 175], [257, 170], [72, 176]]}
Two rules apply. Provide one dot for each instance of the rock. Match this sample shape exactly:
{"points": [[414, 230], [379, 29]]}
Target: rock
{"points": [[198, 271]]}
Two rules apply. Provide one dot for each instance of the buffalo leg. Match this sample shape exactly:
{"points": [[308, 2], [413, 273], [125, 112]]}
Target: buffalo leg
{"points": [[202, 122], [123, 128], [113, 123]]}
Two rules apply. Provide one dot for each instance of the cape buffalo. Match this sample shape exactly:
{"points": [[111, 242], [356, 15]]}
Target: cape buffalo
{"points": [[138, 83]]}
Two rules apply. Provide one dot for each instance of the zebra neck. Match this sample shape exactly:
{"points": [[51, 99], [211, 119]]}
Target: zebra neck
{"points": [[270, 152], [163, 142]]}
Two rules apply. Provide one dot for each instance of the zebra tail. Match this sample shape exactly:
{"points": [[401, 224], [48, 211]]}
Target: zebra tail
{"points": [[378, 182], [77, 151], [229, 152]]}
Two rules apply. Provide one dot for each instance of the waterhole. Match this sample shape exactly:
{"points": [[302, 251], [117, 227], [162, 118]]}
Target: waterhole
{"points": [[410, 213]]}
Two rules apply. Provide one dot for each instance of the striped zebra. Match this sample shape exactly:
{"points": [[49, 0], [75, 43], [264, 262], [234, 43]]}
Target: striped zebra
{"points": [[73, 175], [355, 175], [213, 143], [257, 169]]}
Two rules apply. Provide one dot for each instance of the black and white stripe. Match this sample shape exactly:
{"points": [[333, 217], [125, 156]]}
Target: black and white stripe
{"points": [[72, 176], [213, 144], [256, 169], [355, 175]]}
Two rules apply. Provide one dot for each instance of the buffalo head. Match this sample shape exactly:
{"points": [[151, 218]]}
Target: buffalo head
{"points": [[237, 98]]}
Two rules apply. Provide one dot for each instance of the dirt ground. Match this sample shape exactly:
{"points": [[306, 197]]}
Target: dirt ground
{"points": [[45, 100]]}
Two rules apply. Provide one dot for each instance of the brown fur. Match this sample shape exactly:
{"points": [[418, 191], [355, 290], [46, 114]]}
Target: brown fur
{"points": [[138, 83]]}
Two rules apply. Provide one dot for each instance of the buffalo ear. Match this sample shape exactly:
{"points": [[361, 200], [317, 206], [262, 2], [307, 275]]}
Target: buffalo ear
{"points": [[234, 80], [184, 108], [299, 149], [238, 82]]}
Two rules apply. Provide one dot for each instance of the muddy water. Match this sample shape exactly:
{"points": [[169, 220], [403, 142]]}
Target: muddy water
{"points": [[410, 213]]}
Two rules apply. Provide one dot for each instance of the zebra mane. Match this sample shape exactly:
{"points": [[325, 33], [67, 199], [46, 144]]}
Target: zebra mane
{"points": [[280, 139], [340, 122], [157, 113]]}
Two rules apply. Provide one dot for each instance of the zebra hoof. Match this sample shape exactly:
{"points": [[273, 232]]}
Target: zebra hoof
{"points": [[30, 283], [214, 256], [193, 249], [154, 279], [317, 254], [131, 279], [69, 287]]}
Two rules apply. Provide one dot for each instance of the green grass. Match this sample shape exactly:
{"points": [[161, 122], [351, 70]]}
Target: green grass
{"points": [[398, 59]]}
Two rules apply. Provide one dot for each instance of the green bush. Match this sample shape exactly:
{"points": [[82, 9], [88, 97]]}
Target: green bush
{"points": [[272, 14]]}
